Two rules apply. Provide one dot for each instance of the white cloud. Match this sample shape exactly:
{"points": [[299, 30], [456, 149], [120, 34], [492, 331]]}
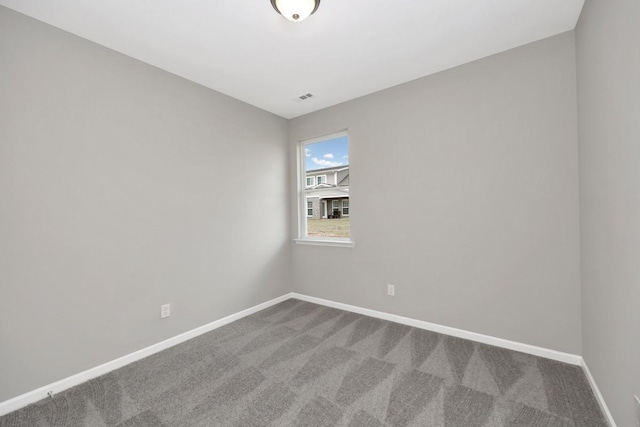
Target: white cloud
{"points": [[325, 163], [328, 156], [307, 152]]}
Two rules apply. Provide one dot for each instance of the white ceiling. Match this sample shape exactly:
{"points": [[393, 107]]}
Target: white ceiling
{"points": [[347, 49]]}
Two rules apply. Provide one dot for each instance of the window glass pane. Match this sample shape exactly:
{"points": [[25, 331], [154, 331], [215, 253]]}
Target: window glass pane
{"points": [[326, 162]]}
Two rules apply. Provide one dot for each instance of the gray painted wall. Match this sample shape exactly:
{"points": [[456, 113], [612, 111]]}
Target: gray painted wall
{"points": [[607, 38], [123, 187], [464, 194], [116, 197]]}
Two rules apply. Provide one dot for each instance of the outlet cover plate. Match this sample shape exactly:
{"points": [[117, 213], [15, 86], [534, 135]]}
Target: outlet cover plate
{"points": [[165, 311]]}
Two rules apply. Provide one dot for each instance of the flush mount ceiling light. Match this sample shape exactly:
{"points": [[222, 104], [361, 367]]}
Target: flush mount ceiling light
{"points": [[295, 10]]}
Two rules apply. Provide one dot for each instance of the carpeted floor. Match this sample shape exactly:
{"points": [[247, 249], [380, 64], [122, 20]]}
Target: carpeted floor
{"points": [[301, 364]]}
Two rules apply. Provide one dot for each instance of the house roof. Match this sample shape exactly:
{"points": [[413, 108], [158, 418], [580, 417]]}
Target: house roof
{"points": [[347, 49], [329, 193], [333, 169]]}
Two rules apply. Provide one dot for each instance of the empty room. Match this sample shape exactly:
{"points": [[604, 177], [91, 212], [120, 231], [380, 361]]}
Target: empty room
{"points": [[178, 181]]}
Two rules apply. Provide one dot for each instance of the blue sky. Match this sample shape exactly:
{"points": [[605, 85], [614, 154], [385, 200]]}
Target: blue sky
{"points": [[327, 154]]}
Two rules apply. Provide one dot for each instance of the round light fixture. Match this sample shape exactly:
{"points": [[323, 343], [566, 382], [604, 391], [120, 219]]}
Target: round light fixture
{"points": [[295, 10]]}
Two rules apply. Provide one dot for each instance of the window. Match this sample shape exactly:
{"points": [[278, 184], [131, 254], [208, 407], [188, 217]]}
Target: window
{"points": [[324, 191]]}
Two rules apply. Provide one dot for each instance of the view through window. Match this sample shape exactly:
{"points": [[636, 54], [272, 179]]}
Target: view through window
{"points": [[326, 190]]}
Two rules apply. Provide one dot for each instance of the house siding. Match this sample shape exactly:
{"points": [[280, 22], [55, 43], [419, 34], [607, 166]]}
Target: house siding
{"points": [[336, 188]]}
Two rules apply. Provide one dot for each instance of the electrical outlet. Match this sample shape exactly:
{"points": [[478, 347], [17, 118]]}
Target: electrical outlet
{"points": [[637, 402], [391, 290], [165, 311]]}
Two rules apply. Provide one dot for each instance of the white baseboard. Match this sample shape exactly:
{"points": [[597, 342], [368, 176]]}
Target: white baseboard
{"points": [[573, 359], [599, 397], [66, 383]]}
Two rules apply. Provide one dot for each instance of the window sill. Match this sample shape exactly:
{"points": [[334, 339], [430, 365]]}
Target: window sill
{"points": [[334, 243]]}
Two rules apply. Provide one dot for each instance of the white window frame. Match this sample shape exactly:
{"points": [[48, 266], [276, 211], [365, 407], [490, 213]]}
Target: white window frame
{"points": [[309, 215], [320, 178], [313, 181], [303, 238], [342, 207]]}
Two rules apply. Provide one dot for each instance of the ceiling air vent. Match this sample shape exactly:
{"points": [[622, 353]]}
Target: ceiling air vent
{"points": [[305, 96]]}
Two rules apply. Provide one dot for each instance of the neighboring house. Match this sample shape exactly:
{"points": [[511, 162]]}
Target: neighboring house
{"points": [[327, 192]]}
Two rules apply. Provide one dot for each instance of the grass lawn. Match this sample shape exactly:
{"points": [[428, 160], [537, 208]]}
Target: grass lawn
{"points": [[338, 227]]}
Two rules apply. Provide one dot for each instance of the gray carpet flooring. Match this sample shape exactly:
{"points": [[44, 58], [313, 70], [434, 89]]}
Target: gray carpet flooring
{"points": [[301, 364]]}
